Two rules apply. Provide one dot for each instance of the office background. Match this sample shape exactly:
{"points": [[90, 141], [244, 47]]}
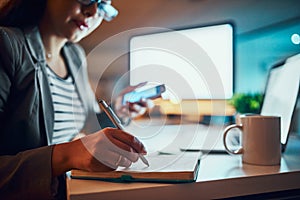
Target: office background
{"points": [[263, 32]]}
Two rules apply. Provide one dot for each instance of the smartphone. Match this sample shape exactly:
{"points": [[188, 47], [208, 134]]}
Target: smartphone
{"points": [[140, 93]]}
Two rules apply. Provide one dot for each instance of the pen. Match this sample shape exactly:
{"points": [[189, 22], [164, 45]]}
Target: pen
{"points": [[116, 121]]}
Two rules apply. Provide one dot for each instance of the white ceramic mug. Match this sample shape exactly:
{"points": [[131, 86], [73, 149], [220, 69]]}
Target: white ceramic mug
{"points": [[260, 137]]}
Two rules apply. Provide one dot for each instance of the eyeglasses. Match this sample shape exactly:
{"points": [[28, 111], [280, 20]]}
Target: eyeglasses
{"points": [[105, 9]]}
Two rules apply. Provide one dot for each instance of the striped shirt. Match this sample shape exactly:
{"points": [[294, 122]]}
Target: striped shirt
{"points": [[69, 115]]}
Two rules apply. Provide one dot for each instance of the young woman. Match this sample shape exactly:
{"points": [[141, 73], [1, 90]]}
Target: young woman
{"points": [[46, 99]]}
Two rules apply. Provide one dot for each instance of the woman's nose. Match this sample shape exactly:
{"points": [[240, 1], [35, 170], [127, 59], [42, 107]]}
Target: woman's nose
{"points": [[90, 10]]}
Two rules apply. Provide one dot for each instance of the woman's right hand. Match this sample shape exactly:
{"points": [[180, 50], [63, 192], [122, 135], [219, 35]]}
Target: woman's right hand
{"points": [[104, 150]]}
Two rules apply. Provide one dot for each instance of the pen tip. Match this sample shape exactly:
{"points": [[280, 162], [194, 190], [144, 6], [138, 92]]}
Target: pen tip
{"points": [[144, 160]]}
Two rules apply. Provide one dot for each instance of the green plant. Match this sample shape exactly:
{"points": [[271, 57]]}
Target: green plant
{"points": [[246, 102]]}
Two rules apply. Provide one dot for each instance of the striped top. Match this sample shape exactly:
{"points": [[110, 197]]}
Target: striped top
{"points": [[69, 115]]}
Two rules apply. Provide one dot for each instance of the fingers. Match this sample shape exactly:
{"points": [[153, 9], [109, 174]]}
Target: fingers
{"points": [[111, 147], [124, 150], [139, 85], [131, 88], [124, 140], [122, 162], [144, 103], [113, 160], [140, 108], [136, 110]]}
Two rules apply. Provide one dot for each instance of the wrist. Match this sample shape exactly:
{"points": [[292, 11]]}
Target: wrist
{"points": [[62, 158]]}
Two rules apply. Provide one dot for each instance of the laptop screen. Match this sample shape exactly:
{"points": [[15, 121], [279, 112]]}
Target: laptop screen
{"points": [[281, 93]]}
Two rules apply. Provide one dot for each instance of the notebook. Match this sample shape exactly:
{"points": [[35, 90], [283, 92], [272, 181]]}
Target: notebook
{"points": [[172, 168]]}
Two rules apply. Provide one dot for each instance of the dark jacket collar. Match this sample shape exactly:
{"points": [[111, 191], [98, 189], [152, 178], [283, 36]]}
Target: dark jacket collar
{"points": [[35, 44]]}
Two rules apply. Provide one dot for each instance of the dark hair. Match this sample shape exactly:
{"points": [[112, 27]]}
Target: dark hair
{"points": [[22, 13]]}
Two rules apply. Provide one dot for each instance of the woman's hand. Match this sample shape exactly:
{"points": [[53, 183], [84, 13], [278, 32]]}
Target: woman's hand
{"points": [[104, 150], [132, 110]]}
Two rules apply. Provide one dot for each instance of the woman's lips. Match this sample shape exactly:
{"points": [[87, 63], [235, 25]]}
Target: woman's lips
{"points": [[81, 25]]}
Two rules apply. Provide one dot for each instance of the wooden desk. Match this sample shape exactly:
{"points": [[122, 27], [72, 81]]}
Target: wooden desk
{"points": [[220, 176]]}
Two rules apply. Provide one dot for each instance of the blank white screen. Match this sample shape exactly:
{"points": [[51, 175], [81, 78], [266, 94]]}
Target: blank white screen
{"points": [[195, 63], [281, 94]]}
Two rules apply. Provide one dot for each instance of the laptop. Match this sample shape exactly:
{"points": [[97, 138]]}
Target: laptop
{"points": [[280, 98], [282, 93]]}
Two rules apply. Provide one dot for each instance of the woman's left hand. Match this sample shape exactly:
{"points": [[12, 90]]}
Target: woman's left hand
{"points": [[132, 110]]}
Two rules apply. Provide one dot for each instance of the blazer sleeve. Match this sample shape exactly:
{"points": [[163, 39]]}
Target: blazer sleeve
{"points": [[27, 175]]}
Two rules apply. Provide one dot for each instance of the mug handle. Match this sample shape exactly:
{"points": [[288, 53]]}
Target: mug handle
{"points": [[228, 128]]}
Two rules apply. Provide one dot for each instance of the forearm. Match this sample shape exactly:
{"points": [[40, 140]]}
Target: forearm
{"points": [[66, 156]]}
